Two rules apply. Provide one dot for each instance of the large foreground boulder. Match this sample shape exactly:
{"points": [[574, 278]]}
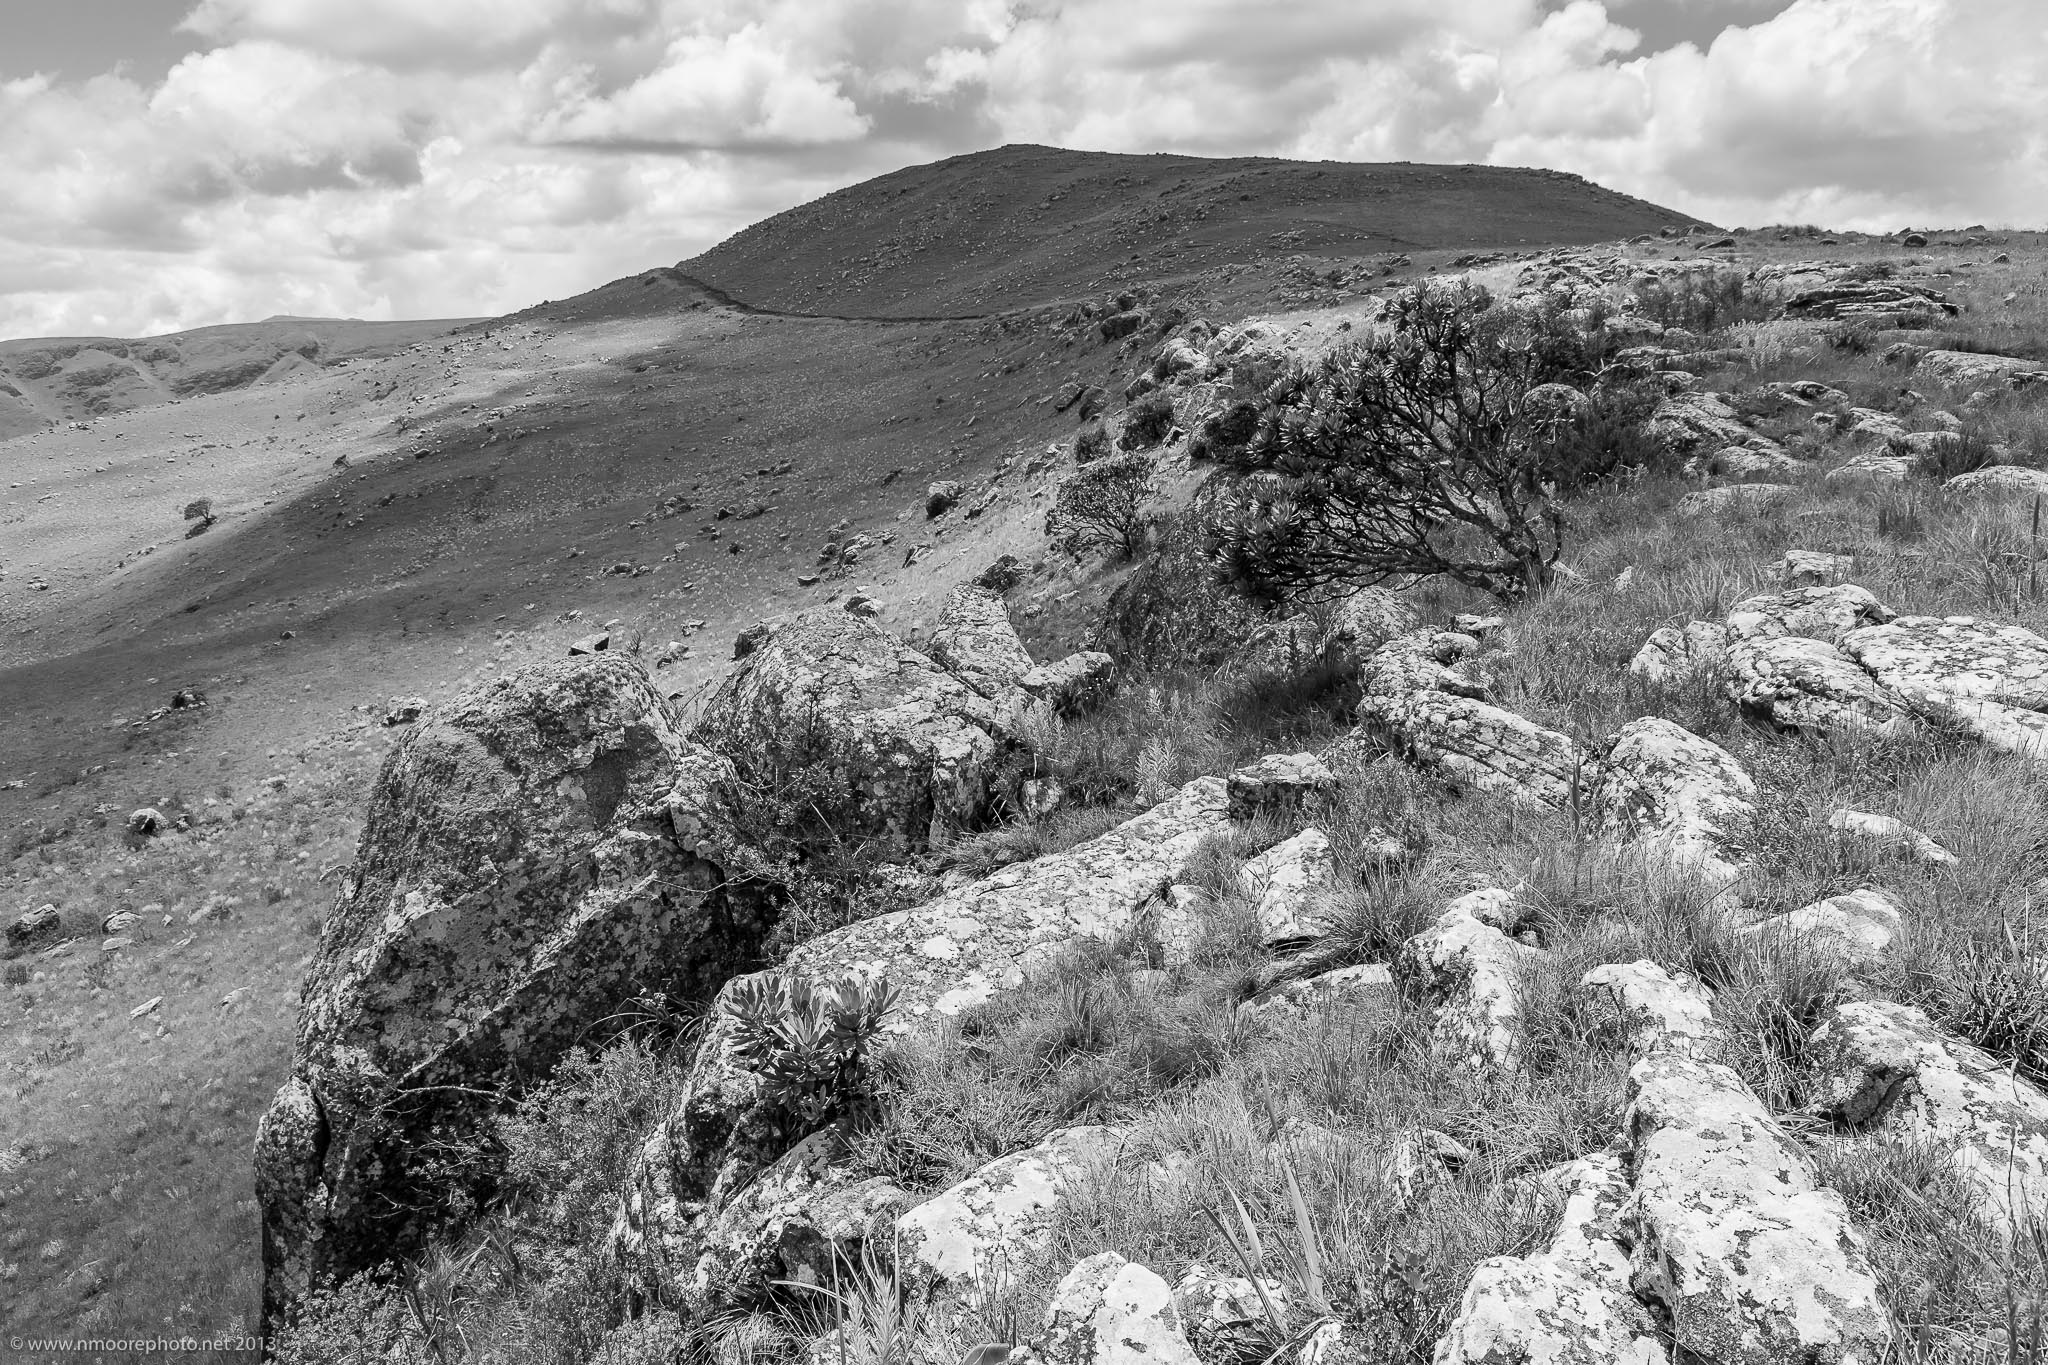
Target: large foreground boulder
{"points": [[536, 855], [910, 741], [1685, 796]]}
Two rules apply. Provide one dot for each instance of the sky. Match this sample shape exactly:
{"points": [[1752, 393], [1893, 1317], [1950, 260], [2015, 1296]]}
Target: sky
{"points": [[176, 163]]}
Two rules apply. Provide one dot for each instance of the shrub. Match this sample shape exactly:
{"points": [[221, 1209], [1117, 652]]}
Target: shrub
{"points": [[1102, 507], [1172, 614], [1227, 432], [1147, 422], [1091, 444], [1971, 450], [1418, 451], [1704, 301], [812, 1046]]}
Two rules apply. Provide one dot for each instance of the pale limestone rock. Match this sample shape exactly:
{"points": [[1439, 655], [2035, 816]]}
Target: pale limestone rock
{"points": [[1827, 613], [1732, 499], [1891, 833], [1659, 1011], [2001, 481], [1070, 685], [1567, 1305], [1109, 1311], [976, 642], [1366, 984], [1177, 923], [1985, 679], [1729, 1232], [1742, 462], [1688, 424], [1419, 705], [998, 1219], [1278, 782], [1855, 928], [1663, 785], [1877, 466], [1469, 972], [1883, 303], [1814, 569], [1886, 1064], [1969, 370], [1807, 684], [1423, 1158], [1672, 655], [1284, 880], [1224, 1315]]}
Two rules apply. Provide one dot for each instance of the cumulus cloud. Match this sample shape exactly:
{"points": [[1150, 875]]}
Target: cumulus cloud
{"points": [[396, 157]]}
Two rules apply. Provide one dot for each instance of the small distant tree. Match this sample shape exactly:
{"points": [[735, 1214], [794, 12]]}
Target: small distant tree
{"points": [[1433, 447], [1102, 507], [199, 512]]}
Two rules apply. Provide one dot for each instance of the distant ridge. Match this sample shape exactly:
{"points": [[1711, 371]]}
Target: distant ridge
{"points": [[1026, 224]]}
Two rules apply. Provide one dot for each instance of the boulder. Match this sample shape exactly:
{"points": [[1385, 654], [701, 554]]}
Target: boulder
{"points": [[1729, 1232], [1748, 499], [405, 710], [539, 853], [37, 928], [1987, 680], [2000, 481], [1283, 881], [1662, 784], [1417, 704], [940, 497], [1673, 654], [1885, 1065], [1806, 684], [998, 1220], [590, 644], [1968, 370], [1224, 1316], [975, 640], [147, 820], [911, 741], [1279, 782], [1743, 462], [1814, 569], [1567, 1305], [1855, 929], [1071, 685], [1817, 613], [1656, 1010], [1884, 303], [1109, 1311], [120, 922], [1889, 833], [1469, 973], [1874, 467], [1691, 424]]}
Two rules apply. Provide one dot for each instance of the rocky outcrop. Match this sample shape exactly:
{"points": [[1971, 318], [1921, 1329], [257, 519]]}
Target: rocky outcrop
{"points": [[1806, 684], [1854, 929], [1687, 797], [1656, 1010], [1279, 782], [2000, 481], [1821, 613], [1340, 634], [1109, 1311], [910, 741], [1282, 883], [801, 1222], [536, 854], [1569, 1304], [1986, 680], [1878, 303], [1814, 569], [1417, 703], [1890, 834], [1969, 370], [975, 640], [998, 1220], [1751, 1261], [943, 957], [1468, 971], [1674, 655], [1885, 1066], [37, 928], [1692, 424]]}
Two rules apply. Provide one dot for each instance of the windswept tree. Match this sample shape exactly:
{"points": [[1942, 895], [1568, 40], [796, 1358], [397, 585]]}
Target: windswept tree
{"points": [[1102, 508], [1435, 446]]}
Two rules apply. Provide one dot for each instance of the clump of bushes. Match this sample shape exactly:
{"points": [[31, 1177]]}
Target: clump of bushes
{"points": [[1091, 444], [1102, 508], [1147, 422]]}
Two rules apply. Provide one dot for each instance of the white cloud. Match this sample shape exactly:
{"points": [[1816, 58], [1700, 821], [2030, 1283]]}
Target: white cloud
{"points": [[415, 157]]}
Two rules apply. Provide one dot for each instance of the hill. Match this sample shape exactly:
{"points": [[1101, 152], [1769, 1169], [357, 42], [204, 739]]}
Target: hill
{"points": [[1024, 224], [47, 380]]}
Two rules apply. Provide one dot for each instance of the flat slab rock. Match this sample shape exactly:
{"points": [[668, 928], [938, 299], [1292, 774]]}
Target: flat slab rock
{"points": [[1657, 1010], [1284, 880], [1984, 678], [976, 642], [1887, 1064], [1855, 928], [1729, 1232], [1818, 613], [1806, 684]]}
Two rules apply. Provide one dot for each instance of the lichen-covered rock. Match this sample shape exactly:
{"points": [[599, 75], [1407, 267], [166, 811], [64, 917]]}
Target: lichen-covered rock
{"points": [[1827, 613], [1969, 370], [1688, 424], [1889, 833], [910, 740], [999, 1219], [1278, 782], [1363, 985], [1109, 1311], [538, 853], [1343, 634], [1658, 1011], [1855, 929], [1070, 685], [1420, 706], [1814, 569], [976, 642], [1732, 499], [2000, 481], [1742, 462], [1567, 1305], [1886, 1064], [1728, 1231], [1469, 973], [1886, 464], [945, 956], [1987, 680], [1810, 685], [1224, 1315], [1663, 785], [1884, 303], [1283, 881], [1673, 654]]}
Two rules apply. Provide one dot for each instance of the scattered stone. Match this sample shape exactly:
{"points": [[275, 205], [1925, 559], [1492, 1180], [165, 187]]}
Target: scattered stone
{"points": [[2000, 480], [1283, 881], [1278, 783], [1735, 498], [405, 710], [862, 602], [997, 1220], [1742, 462], [591, 644], [1663, 785], [941, 497], [1855, 929], [1673, 655], [37, 928], [1469, 972], [120, 922], [1814, 569], [1657, 1010], [1369, 983], [1224, 1315], [147, 820], [148, 1006], [1109, 1311], [1890, 833]]}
